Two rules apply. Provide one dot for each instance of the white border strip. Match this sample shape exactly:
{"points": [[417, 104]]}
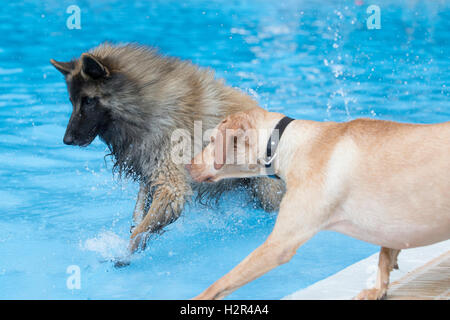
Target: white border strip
{"points": [[348, 282]]}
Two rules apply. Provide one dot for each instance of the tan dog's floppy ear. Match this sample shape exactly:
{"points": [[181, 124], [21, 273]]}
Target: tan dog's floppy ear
{"points": [[64, 67], [91, 67], [220, 146], [229, 130]]}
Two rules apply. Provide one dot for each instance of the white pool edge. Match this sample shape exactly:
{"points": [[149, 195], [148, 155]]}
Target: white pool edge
{"points": [[348, 282]]}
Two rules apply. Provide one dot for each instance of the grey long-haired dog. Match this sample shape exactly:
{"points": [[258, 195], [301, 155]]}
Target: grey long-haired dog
{"points": [[134, 98]]}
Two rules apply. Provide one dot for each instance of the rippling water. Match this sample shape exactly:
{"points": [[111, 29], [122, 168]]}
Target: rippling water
{"points": [[60, 205]]}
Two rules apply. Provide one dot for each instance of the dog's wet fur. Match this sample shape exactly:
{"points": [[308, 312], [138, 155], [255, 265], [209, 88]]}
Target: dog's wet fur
{"points": [[133, 98]]}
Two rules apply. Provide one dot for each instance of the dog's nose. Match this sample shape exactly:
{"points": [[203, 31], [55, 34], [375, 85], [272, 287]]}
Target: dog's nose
{"points": [[68, 139]]}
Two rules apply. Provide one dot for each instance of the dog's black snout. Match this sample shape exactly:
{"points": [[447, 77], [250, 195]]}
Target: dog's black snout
{"points": [[68, 139]]}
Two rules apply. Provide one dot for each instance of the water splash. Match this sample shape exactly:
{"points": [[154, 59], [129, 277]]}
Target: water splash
{"points": [[108, 244]]}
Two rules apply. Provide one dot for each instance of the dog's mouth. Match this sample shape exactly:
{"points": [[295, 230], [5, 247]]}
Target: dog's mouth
{"points": [[90, 137], [202, 178], [209, 179]]}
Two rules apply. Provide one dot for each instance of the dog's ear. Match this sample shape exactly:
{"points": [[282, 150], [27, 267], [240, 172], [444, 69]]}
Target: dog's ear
{"points": [[64, 67], [220, 146], [92, 68], [229, 131]]}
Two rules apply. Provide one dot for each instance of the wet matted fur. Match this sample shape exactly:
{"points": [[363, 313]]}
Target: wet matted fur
{"points": [[133, 98]]}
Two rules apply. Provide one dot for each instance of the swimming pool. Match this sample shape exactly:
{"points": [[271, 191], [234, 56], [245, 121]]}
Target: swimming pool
{"points": [[60, 205]]}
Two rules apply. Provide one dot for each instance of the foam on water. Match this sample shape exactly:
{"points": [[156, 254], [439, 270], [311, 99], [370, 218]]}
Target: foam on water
{"points": [[108, 245]]}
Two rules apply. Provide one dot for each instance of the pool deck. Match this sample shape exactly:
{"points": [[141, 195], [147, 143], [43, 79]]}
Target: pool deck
{"points": [[424, 274], [428, 282]]}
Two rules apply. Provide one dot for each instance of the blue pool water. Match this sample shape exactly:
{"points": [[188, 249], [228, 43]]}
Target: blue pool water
{"points": [[60, 205]]}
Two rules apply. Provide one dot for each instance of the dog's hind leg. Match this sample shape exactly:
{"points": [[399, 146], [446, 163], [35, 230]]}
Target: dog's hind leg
{"points": [[394, 262], [170, 190], [387, 261], [268, 192]]}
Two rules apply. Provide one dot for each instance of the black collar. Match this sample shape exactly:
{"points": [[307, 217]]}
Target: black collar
{"points": [[272, 145]]}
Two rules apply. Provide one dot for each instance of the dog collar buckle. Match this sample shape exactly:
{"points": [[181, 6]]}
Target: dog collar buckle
{"points": [[267, 163]]}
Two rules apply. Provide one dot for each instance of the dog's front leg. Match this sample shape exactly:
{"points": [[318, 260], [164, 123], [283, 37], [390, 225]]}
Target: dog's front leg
{"points": [[293, 227], [387, 261], [169, 193], [266, 257], [138, 213]]}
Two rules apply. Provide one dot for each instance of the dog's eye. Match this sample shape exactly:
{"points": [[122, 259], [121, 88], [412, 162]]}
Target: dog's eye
{"points": [[88, 101]]}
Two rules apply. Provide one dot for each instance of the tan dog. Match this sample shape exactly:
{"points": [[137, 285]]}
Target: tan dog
{"points": [[382, 182]]}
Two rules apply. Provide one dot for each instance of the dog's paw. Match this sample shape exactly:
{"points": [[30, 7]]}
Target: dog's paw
{"points": [[138, 242], [371, 294], [121, 263]]}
